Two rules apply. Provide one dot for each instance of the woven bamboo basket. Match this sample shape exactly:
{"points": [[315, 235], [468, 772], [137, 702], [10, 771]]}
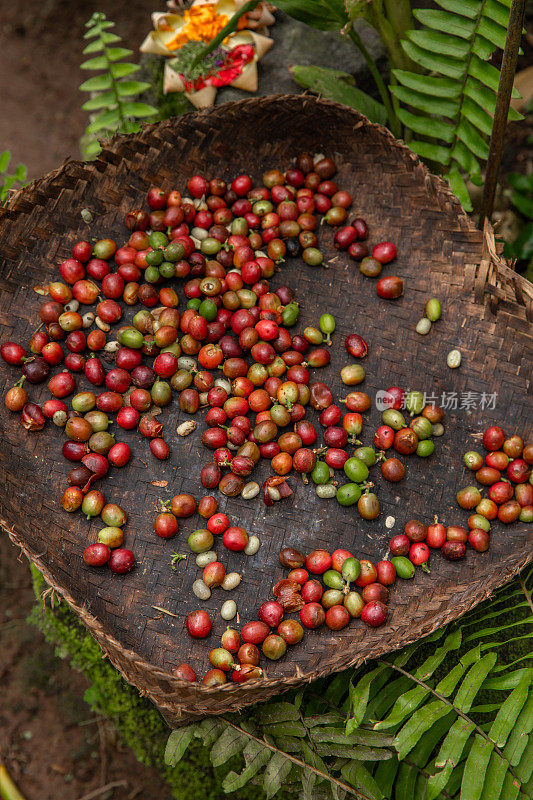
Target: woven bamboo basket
{"points": [[488, 314]]}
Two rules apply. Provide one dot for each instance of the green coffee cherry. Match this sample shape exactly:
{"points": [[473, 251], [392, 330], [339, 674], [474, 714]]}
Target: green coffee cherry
{"points": [[333, 579], [394, 419], [425, 448], [348, 494], [356, 470], [433, 309], [290, 314], [201, 541], [414, 402], [404, 568], [367, 455], [320, 473], [351, 569], [312, 256], [327, 326]]}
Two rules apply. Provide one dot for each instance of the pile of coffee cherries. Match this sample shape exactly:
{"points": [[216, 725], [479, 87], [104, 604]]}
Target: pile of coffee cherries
{"points": [[303, 592], [111, 329], [225, 242], [505, 471]]}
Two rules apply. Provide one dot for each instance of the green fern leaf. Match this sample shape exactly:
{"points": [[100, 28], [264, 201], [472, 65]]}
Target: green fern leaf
{"points": [[410, 700], [118, 53], [493, 31], [209, 731], [427, 126], [466, 8], [446, 22], [256, 757], [427, 84], [103, 100], [475, 768], [419, 724], [497, 12], [427, 103], [229, 744], [518, 739], [177, 744], [279, 712], [105, 121], [97, 84], [441, 43], [431, 152], [129, 88], [97, 30], [110, 112], [511, 680], [455, 110], [7, 182], [339, 86], [119, 70], [359, 777], [98, 45], [359, 695], [99, 62], [448, 756], [322, 14], [483, 48], [477, 116], [494, 778], [276, 773], [524, 769], [5, 158], [465, 159], [138, 110], [433, 61]]}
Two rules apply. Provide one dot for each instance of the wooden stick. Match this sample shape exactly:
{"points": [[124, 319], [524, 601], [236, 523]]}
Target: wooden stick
{"points": [[164, 611], [103, 789], [501, 111]]}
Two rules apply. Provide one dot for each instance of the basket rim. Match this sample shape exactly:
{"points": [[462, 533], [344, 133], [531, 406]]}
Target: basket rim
{"points": [[118, 149]]}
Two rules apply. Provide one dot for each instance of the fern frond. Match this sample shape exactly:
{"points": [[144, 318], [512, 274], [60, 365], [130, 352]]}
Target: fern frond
{"points": [[112, 103], [450, 112]]}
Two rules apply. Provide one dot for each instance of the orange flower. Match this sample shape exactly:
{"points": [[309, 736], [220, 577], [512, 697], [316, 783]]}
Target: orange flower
{"points": [[202, 23]]}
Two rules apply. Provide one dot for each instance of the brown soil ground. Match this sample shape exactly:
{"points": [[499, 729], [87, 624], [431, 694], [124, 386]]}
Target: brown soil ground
{"points": [[40, 53], [51, 743]]}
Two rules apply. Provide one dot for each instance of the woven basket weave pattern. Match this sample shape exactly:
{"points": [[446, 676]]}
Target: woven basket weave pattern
{"points": [[487, 315]]}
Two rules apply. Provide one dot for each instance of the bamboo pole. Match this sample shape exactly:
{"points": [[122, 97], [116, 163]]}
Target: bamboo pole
{"points": [[503, 100]]}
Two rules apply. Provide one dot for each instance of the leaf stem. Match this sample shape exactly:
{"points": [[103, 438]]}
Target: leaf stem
{"points": [[526, 593], [394, 122], [400, 19], [230, 27]]}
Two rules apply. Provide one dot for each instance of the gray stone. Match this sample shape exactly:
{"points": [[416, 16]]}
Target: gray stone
{"points": [[296, 43]]}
